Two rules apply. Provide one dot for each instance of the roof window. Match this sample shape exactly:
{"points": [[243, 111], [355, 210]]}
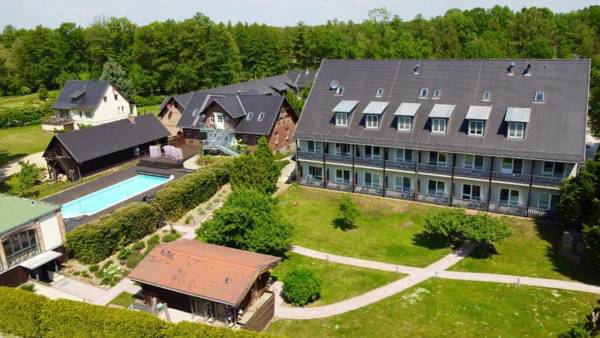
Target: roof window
{"points": [[339, 90], [487, 95], [437, 93], [379, 92], [260, 117], [539, 97], [249, 116], [424, 93]]}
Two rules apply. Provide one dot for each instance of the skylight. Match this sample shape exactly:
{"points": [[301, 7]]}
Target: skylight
{"points": [[539, 96], [249, 116], [379, 92], [424, 93], [487, 95], [437, 93], [260, 117], [339, 90]]}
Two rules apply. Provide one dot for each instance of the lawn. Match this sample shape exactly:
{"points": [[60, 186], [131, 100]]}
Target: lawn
{"points": [[20, 141], [148, 109], [124, 299], [453, 308], [8, 102], [385, 230], [529, 252], [338, 282]]}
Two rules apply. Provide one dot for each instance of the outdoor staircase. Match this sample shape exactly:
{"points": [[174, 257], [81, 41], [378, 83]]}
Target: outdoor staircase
{"points": [[222, 141]]}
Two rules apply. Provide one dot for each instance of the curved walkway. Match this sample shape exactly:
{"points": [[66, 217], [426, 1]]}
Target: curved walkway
{"points": [[415, 276]]}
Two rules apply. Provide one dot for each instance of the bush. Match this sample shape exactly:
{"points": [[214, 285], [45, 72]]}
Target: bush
{"points": [[94, 268], [124, 253], [28, 287], [138, 245], [20, 312], [258, 171], [248, 220], [485, 230], [347, 213], [591, 244], [171, 237], [20, 183], [448, 223], [301, 286], [155, 239], [100, 239], [188, 219], [19, 117], [184, 194]]}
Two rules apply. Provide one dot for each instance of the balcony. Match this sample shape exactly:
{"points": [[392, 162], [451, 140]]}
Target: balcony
{"points": [[372, 162], [434, 168], [537, 212], [469, 204], [305, 155], [340, 186], [474, 173], [508, 177], [547, 180], [370, 190], [510, 209], [406, 195], [338, 158], [202, 126], [410, 166], [436, 199], [311, 182]]}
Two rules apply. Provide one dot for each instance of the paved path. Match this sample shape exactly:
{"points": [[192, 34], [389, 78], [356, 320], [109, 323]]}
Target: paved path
{"points": [[13, 167], [125, 285], [415, 276]]}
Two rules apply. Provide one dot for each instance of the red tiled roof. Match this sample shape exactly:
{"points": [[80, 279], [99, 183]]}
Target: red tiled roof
{"points": [[203, 270]]}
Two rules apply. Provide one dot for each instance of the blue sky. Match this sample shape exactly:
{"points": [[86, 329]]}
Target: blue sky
{"points": [[29, 13]]}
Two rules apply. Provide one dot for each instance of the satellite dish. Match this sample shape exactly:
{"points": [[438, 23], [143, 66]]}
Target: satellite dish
{"points": [[333, 84]]}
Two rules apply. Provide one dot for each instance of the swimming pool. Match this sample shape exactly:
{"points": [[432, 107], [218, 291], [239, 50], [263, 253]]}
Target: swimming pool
{"points": [[105, 198]]}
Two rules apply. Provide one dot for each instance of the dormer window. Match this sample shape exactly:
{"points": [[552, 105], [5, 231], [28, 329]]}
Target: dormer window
{"points": [[516, 130], [424, 93], [439, 126], [249, 116], [404, 123], [372, 121], [341, 119], [476, 127], [260, 117], [539, 97], [437, 93], [487, 95], [379, 92], [339, 90]]}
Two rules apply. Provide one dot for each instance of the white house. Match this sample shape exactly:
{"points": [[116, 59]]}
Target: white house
{"points": [[88, 103]]}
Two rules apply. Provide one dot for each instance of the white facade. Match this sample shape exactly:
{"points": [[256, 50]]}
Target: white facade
{"points": [[51, 232]]}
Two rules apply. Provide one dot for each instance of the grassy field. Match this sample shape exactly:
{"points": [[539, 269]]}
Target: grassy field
{"points": [[530, 251], [20, 141], [124, 299], [9, 102], [338, 282], [148, 109], [385, 231], [453, 308]]}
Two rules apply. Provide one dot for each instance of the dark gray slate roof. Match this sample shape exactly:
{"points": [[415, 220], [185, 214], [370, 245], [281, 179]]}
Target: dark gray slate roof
{"points": [[90, 143], [556, 130], [265, 86], [78, 94], [301, 78]]}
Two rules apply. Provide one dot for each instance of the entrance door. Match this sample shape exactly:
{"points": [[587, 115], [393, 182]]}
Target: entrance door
{"points": [[219, 121]]}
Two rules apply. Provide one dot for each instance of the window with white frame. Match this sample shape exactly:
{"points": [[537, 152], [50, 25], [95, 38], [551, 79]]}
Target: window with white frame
{"points": [[314, 147], [476, 127], [379, 92], [372, 180], [436, 188], [260, 117], [437, 93], [373, 152], [341, 119], [342, 176], [516, 129], [315, 173], [436, 158], [372, 121], [402, 183], [553, 169], [404, 123], [547, 201], [509, 196], [20, 244], [487, 95], [473, 162], [249, 116], [423, 93], [404, 155], [439, 126], [471, 192], [539, 96], [343, 149], [512, 165]]}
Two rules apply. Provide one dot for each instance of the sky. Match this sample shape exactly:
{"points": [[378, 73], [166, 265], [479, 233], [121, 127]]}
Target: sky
{"points": [[50, 13]]}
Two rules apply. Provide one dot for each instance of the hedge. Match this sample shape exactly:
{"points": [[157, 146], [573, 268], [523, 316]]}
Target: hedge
{"points": [[184, 194], [19, 117], [95, 241], [25, 314]]}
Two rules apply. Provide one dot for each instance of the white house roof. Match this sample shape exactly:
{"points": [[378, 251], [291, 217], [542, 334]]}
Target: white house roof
{"points": [[407, 109], [345, 106], [39, 260], [516, 114], [478, 112], [375, 107], [442, 111]]}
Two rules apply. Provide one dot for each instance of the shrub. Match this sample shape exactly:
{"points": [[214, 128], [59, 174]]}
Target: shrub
{"points": [[134, 259], [248, 220], [94, 268], [171, 237], [347, 213], [201, 211], [188, 219], [485, 230], [257, 171], [138, 245], [20, 312], [100, 239], [20, 183], [155, 239], [19, 117], [107, 264], [124, 253], [447, 223], [184, 194], [28, 287], [301, 286]]}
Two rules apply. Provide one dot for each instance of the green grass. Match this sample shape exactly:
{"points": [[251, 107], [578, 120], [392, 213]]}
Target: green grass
{"points": [[385, 231], [148, 109], [124, 299], [338, 282], [530, 251], [9, 102], [21, 141], [453, 308]]}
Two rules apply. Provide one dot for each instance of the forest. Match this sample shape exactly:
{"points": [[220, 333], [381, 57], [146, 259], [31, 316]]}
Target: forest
{"points": [[167, 57]]}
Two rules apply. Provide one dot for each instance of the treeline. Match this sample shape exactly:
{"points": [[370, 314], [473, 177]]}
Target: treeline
{"points": [[176, 56]]}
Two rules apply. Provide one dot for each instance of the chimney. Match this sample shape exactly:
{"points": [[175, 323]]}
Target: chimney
{"points": [[417, 68], [131, 119], [527, 72], [509, 70]]}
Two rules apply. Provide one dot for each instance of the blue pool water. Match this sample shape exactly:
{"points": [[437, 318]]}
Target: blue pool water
{"points": [[109, 196]]}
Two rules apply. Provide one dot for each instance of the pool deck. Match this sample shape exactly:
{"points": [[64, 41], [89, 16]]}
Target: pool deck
{"points": [[101, 183]]}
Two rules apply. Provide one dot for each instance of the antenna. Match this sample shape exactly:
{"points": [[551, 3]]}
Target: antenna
{"points": [[333, 84], [526, 71]]}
